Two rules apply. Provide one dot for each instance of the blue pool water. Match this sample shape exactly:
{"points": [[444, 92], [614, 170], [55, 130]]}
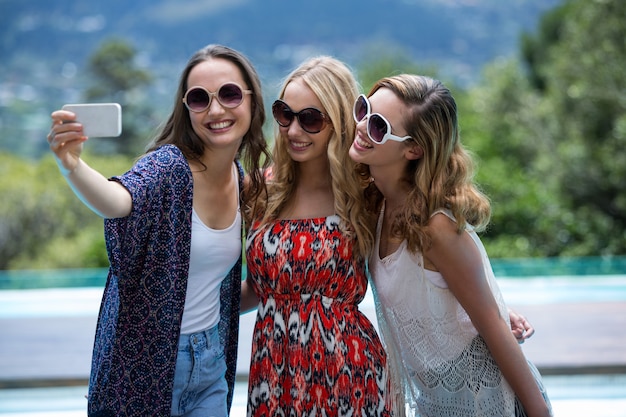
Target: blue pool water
{"points": [[579, 396], [83, 301], [71, 295]]}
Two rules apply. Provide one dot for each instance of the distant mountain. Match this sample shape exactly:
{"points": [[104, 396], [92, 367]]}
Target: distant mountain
{"points": [[460, 35], [44, 44]]}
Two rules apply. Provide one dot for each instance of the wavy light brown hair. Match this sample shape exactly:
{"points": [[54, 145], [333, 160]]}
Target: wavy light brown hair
{"points": [[335, 86], [444, 176]]}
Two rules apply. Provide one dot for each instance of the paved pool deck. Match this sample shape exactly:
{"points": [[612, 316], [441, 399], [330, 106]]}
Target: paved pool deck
{"points": [[570, 338]]}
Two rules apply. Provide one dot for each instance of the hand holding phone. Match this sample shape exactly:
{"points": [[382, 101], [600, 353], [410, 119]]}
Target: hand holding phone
{"points": [[98, 119]]}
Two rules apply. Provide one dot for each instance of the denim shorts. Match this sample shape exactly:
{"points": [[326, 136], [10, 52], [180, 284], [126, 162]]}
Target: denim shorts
{"points": [[200, 387]]}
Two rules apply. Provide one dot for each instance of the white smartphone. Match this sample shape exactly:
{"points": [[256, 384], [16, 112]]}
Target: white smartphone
{"points": [[99, 120]]}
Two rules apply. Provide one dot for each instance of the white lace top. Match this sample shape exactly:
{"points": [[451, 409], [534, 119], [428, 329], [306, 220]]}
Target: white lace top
{"points": [[441, 366]]}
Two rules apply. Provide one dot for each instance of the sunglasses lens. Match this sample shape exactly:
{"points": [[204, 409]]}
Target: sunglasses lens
{"points": [[311, 120], [360, 108], [197, 99], [377, 128], [230, 95], [282, 113]]}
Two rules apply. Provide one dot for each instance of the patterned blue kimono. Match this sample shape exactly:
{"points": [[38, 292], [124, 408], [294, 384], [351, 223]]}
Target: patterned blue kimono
{"points": [[135, 349]]}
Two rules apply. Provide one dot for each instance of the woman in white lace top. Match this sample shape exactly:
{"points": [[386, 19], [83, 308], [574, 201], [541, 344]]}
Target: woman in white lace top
{"points": [[441, 314]]}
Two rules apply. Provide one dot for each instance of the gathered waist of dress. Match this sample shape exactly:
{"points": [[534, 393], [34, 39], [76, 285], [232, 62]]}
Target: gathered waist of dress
{"points": [[305, 298]]}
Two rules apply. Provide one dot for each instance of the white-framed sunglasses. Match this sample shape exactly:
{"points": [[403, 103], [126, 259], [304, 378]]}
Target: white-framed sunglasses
{"points": [[378, 128]]}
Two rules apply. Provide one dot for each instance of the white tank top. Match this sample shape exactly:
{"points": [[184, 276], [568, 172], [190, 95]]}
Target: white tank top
{"points": [[438, 362], [213, 254]]}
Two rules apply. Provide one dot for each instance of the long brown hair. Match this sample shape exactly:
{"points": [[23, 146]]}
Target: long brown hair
{"points": [[253, 150]]}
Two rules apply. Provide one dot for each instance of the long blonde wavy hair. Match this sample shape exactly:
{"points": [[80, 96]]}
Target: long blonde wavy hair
{"points": [[336, 88], [444, 176]]}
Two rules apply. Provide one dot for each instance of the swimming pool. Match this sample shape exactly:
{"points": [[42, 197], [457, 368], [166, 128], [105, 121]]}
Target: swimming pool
{"points": [[598, 395], [579, 396], [81, 301]]}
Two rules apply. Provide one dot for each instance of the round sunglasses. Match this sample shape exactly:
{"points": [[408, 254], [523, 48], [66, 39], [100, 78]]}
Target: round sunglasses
{"points": [[378, 128], [229, 95], [311, 119]]}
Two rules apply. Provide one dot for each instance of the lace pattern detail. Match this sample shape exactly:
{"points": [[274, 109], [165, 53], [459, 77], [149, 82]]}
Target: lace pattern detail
{"points": [[438, 364]]}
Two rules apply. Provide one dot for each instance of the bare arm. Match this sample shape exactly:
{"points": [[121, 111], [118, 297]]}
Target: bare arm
{"points": [[459, 261], [249, 299], [108, 199]]}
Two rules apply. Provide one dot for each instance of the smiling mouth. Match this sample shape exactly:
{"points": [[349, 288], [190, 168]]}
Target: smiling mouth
{"points": [[299, 145], [220, 125], [363, 144]]}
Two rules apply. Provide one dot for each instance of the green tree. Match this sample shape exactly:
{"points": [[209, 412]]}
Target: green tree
{"points": [[43, 225], [583, 79], [551, 134], [116, 77], [502, 124], [388, 62]]}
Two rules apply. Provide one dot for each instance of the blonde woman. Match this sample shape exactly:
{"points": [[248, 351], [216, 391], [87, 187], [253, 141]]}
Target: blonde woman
{"points": [[313, 353]]}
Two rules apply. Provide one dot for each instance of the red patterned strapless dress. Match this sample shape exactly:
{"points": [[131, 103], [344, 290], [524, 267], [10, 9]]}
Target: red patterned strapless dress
{"points": [[313, 352]]}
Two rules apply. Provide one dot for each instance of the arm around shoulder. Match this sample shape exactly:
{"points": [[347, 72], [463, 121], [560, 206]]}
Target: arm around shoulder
{"points": [[249, 299]]}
